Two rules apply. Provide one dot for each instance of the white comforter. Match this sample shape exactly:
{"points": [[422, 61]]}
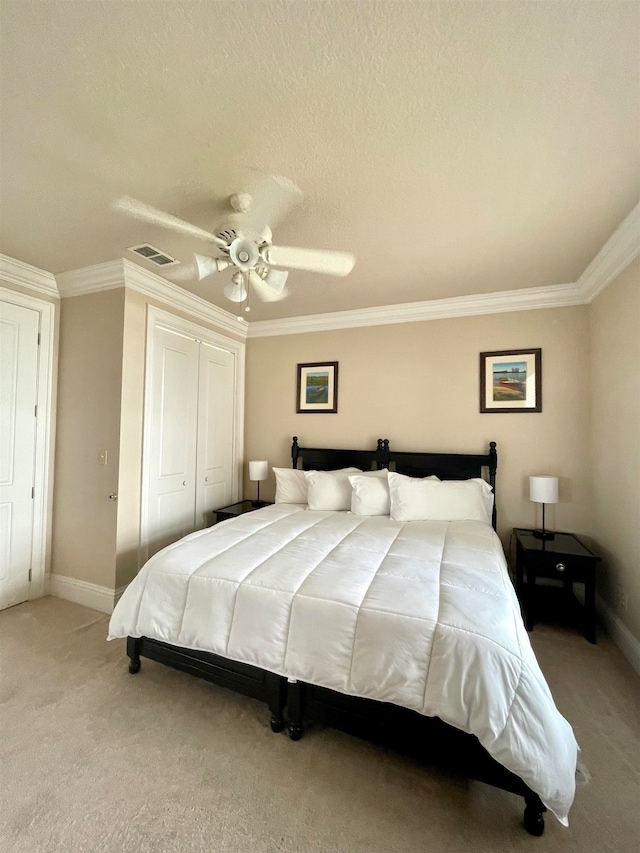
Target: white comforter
{"points": [[420, 614]]}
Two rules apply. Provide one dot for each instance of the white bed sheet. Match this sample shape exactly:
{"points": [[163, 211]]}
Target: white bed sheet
{"points": [[420, 614]]}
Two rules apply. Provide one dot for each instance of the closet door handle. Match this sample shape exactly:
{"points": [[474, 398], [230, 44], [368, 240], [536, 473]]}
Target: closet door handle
{"points": [[184, 482]]}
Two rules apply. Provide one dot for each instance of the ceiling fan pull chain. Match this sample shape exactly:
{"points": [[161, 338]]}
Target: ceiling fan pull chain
{"points": [[247, 307]]}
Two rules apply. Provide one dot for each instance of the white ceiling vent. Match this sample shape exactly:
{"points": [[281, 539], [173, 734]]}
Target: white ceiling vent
{"points": [[154, 255]]}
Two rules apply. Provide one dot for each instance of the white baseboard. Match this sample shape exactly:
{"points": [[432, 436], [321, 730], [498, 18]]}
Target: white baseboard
{"points": [[82, 592], [620, 634]]}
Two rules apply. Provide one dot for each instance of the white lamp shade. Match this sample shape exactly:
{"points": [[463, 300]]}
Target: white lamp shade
{"points": [[207, 266], [543, 489], [277, 279], [235, 292], [258, 470]]}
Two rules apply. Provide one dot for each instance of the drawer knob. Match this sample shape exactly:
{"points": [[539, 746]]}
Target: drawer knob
{"points": [[560, 567]]}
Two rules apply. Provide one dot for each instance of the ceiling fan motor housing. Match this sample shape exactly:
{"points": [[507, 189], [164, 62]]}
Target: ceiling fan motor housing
{"points": [[232, 227]]}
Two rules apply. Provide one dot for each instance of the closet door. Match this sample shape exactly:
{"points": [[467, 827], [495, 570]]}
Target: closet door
{"points": [[18, 395], [174, 423], [216, 428]]}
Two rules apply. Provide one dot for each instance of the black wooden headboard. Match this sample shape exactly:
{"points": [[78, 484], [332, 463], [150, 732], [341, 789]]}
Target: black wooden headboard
{"points": [[327, 459], [446, 466]]}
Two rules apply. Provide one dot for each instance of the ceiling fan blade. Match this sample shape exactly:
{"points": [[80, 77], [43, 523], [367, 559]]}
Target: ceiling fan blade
{"points": [[264, 291], [207, 266], [184, 272], [272, 198], [140, 210], [314, 260]]}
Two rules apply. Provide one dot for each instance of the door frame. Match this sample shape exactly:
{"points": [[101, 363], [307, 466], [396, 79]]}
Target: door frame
{"points": [[45, 429], [159, 319]]}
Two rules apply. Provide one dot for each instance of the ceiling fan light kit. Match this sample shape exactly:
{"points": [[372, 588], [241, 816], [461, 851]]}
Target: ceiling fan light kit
{"points": [[244, 253], [244, 238], [207, 266], [276, 279], [235, 292]]}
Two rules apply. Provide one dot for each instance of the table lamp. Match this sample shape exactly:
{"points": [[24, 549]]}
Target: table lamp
{"points": [[543, 490], [258, 471]]}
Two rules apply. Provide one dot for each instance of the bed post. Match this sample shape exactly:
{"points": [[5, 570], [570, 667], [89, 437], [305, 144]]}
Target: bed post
{"points": [[295, 451], [134, 644], [533, 814], [383, 454], [493, 467], [276, 698], [295, 708]]}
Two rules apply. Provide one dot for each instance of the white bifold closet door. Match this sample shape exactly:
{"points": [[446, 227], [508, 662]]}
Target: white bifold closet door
{"points": [[190, 459]]}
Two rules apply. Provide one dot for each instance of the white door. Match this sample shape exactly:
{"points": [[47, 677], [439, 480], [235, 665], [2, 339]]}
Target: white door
{"points": [[172, 457], [216, 424], [18, 395]]}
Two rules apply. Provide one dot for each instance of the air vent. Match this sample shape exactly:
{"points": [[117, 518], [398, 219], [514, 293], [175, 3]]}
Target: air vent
{"points": [[154, 255]]}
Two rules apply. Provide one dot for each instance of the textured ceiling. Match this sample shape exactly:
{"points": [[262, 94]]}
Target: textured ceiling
{"points": [[456, 148]]}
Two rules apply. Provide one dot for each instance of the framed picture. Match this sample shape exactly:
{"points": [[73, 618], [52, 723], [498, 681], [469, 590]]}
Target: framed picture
{"points": [[511, 381], [318, 387]]}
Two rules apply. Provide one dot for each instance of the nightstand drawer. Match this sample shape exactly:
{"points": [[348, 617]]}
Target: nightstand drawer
{"points": [[561, 566]]}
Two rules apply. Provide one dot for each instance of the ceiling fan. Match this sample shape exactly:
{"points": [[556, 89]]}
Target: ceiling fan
{"points": [[244, 241]]}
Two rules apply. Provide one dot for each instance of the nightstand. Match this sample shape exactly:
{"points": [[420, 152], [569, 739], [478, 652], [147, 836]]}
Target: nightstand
{"points": [[563, 558], [239, 508]]}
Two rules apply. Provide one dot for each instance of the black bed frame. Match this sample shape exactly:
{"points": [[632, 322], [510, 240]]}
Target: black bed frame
{"points": [[296, 704]]}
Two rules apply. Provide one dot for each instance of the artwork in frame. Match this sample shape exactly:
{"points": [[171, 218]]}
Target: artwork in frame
{"points": [[318, 387], [511, 381]]}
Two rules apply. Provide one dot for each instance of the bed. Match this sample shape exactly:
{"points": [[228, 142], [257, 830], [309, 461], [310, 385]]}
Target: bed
{"points": [[393, 626]]}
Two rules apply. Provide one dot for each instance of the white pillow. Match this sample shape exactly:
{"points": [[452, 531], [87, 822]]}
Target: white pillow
{"points": [[291, 486], [488, 498], [330, 490], [415, 499], [370, 493]]}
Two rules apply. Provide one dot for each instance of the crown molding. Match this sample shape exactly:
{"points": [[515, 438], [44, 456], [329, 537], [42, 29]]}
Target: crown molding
{"points": [[617, 253], [124, 273], [93, 279], [553, 296], [24, 275]]}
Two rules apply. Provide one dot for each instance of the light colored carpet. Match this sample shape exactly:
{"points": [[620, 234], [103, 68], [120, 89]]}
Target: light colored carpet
{"points": [[95, 759]]}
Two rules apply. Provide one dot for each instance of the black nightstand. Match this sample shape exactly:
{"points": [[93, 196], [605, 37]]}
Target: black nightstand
{"points": [[563, 558], [241, 507]]}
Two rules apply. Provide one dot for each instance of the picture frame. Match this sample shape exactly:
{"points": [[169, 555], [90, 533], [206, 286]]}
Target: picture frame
{"points": [[317, 388], [511, 381]]}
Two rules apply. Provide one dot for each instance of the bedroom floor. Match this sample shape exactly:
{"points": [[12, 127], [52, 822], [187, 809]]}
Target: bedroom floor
{"points": [[94, 759]]}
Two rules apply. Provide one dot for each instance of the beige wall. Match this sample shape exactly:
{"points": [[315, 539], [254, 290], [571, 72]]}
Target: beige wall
{"points": [[131, 431], [417, 384], [615, 358], [88, 422], [101, 387]]}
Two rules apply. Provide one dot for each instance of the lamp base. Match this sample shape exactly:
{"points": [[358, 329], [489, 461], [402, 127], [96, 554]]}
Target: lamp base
{"points": [[543, 534]]}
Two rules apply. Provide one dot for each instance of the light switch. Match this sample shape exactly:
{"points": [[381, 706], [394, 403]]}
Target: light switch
{"points": [[104, 457]]}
